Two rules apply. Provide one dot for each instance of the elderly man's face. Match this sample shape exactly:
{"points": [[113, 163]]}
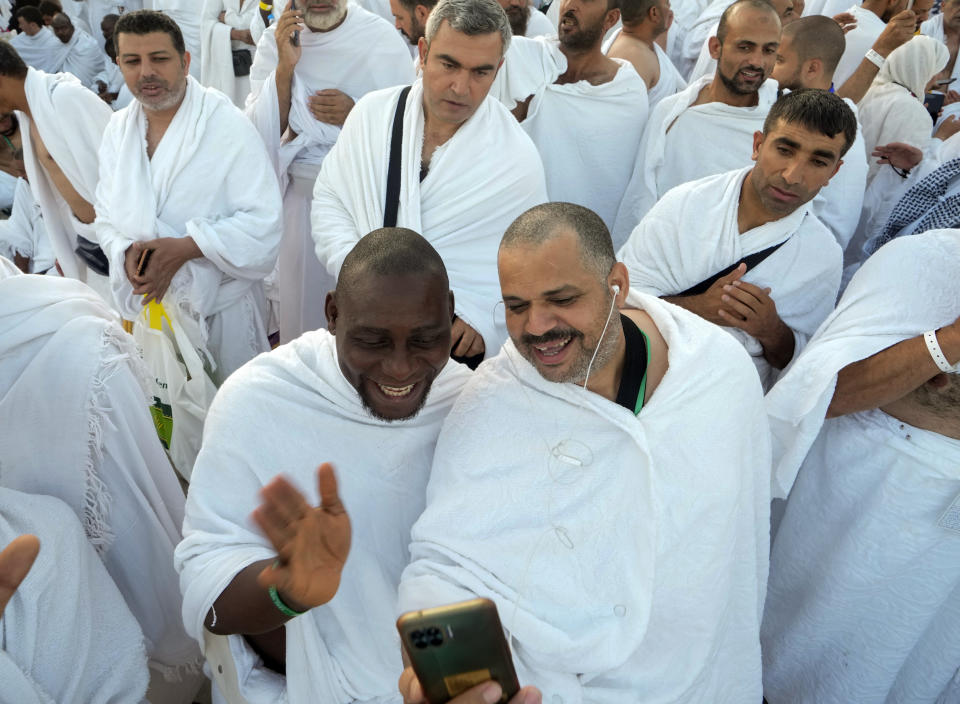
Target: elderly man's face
{"points": [[62, 27], [393, 338], [323, 15], [458, 70]]}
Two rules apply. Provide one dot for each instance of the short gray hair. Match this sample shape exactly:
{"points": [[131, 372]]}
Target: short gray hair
{"points": [[470, 17]]}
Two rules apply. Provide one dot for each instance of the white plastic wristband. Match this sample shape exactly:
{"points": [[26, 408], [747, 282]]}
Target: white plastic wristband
{"points": [[875, 58], [930, 337]]}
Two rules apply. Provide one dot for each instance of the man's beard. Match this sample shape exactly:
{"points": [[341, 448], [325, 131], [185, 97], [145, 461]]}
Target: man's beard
{"points": [[740, 89], [577, 372], [171, 97], [369, 407], [582, 38], [417, 29], [519, 17], [322, 21]]}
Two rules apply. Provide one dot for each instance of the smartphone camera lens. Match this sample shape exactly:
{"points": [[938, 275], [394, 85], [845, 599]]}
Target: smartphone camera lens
{"points": [[434, 635], [419, 639]]}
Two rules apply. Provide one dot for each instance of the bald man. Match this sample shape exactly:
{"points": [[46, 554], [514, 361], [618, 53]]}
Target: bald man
{"points": [[368, 394], [85, 57]]}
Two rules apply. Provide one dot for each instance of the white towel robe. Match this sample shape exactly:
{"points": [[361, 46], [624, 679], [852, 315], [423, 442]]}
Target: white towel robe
{"points": [[67, 367], [347, 649], [43, 51], [679, 144], [587, 525], [217, 47], [23, 233], [71, 121], [480, 180], [187, 13], [692, 233], [85, 58], [66, 635], [864, 601], [208, 179], [363, 54]]}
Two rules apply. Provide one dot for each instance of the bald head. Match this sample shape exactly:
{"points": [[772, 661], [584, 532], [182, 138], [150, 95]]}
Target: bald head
{"points": [[62, 27], [816, 37], [735, 13], [545, 222]]}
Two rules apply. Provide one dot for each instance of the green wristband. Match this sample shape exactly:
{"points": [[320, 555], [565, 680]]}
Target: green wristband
{"points": [[278, 602]]}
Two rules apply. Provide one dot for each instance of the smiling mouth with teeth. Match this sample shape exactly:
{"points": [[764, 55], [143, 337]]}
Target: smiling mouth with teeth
{"points": [[396, 391], [553, 348]]}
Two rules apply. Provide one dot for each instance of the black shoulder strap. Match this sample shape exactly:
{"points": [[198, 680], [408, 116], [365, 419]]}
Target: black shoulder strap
{"points": [[392, 205], [751, 260]]}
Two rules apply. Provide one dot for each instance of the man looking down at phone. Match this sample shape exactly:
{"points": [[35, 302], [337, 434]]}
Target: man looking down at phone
{"points": [[368, 396], [464, 168], [743, 249], [300, 96], [186, 213], [592, 482]]}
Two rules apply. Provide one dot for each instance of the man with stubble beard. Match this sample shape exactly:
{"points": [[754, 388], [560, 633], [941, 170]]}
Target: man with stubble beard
{"points": [[706, 129]]}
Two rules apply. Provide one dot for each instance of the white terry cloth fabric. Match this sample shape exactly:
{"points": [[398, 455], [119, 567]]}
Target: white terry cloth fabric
{"points": [[43, 51], [679, 144], [827, 8], [692, 233], [587, 135], [187, 13], [704, 27], [66, 363], [381, 8], [347, 649], [670, 80], [888, 112], [23, 232], [98, 9], [539, 25], [66, 635], [599, 611], [479, 181], [70, 120], [207, 181], [76, 10], [363, 54], [874, 313], [864, 596], [705, 64], [859, 40], [217, 48], [85, 58], [8, 186]]}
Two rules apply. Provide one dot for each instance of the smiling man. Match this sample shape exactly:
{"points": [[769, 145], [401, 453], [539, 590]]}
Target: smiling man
{"points": [[170, 187], [368, 395], [704, 129], [626, 551], [464, 169], [743, 249]]}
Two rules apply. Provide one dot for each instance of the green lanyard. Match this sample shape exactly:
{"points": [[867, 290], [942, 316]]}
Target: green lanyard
{"points": [[643, 383]]}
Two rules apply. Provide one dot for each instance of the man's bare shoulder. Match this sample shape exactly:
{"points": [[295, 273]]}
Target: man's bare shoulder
{"points": [[658, 348], [638, 53]]}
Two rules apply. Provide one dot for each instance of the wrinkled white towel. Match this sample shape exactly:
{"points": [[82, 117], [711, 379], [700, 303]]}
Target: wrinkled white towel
{"points": [[694, 41], [24, 234], [381, 8], [679, 144], [479, 181], [670, 80], [71, 121], [539, 25], [347, 649], [186, 13], [217, 48], [873, 314], [65, 363], [864, 597], [692, 233], [66, 635], [85, 57], [206, 180], [599, 610], [43, 51]]}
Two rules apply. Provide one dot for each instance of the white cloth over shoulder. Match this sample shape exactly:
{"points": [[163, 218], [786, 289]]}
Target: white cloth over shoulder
{"points": [[599, 611], [206, 180], [24, 234], [43, 51], [70, 120], [217, 48], [85, 57], [479, 181], [186, 13], [66, 363], [692, 233], [871, 316], [347, 649], [66, 634], [679, 144]]}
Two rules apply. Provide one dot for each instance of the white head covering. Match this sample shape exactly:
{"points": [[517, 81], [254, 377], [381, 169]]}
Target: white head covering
{"points": [[913, 64]]}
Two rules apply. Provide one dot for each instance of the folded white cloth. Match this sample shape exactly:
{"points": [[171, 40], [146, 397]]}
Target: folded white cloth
{"points": [[479, 181], [66, 635], [347, 649], [873, 314], [526, 476], [217, 49], [42, 51], [23, 232], [66, 363], [679, 144], [692, 233], [85, 57], [70, 120], [206, 180]]}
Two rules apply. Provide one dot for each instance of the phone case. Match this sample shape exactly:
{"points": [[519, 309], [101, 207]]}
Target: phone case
{"points": [[453, 648]]}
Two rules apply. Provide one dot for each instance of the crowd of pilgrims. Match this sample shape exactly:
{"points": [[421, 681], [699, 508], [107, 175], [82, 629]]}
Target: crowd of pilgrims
{"points": [[639, 320]]}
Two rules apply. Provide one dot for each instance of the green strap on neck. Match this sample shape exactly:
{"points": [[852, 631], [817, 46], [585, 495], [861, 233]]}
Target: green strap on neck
{"points": [[643, 383]]}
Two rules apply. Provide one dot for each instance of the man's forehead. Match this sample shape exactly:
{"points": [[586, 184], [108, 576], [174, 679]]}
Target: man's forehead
{"points": [[536, 268], [755, 24], [806, 137], [128, 42], [468, 50]]}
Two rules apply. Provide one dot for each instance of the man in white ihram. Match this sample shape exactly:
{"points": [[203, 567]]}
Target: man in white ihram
{"points": [[85, 57]]}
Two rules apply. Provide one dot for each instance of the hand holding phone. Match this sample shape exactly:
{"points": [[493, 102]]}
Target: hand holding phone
{"points": [[144, 261], [295, 37]]}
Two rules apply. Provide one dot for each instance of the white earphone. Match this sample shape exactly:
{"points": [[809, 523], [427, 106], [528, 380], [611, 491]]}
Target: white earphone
{"points": [[613, 304], [616, 289]]}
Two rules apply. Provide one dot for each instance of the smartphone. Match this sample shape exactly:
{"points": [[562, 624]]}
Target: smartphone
{"points": [[453, 648], [144, 260], [933, 102], [295, 37], [909, 4]]}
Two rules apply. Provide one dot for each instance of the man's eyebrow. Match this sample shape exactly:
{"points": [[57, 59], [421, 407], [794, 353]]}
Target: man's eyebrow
{"points": [[451, 60], [566, 288], [787, 142], [159, 52]]}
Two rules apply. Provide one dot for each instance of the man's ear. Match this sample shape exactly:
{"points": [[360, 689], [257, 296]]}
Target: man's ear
{"points": [[812, 68], [421, 13], [453, 310], [330, 310], [714, 45], [186, 63], [757, 141], [422, 48], [611, 18]]}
